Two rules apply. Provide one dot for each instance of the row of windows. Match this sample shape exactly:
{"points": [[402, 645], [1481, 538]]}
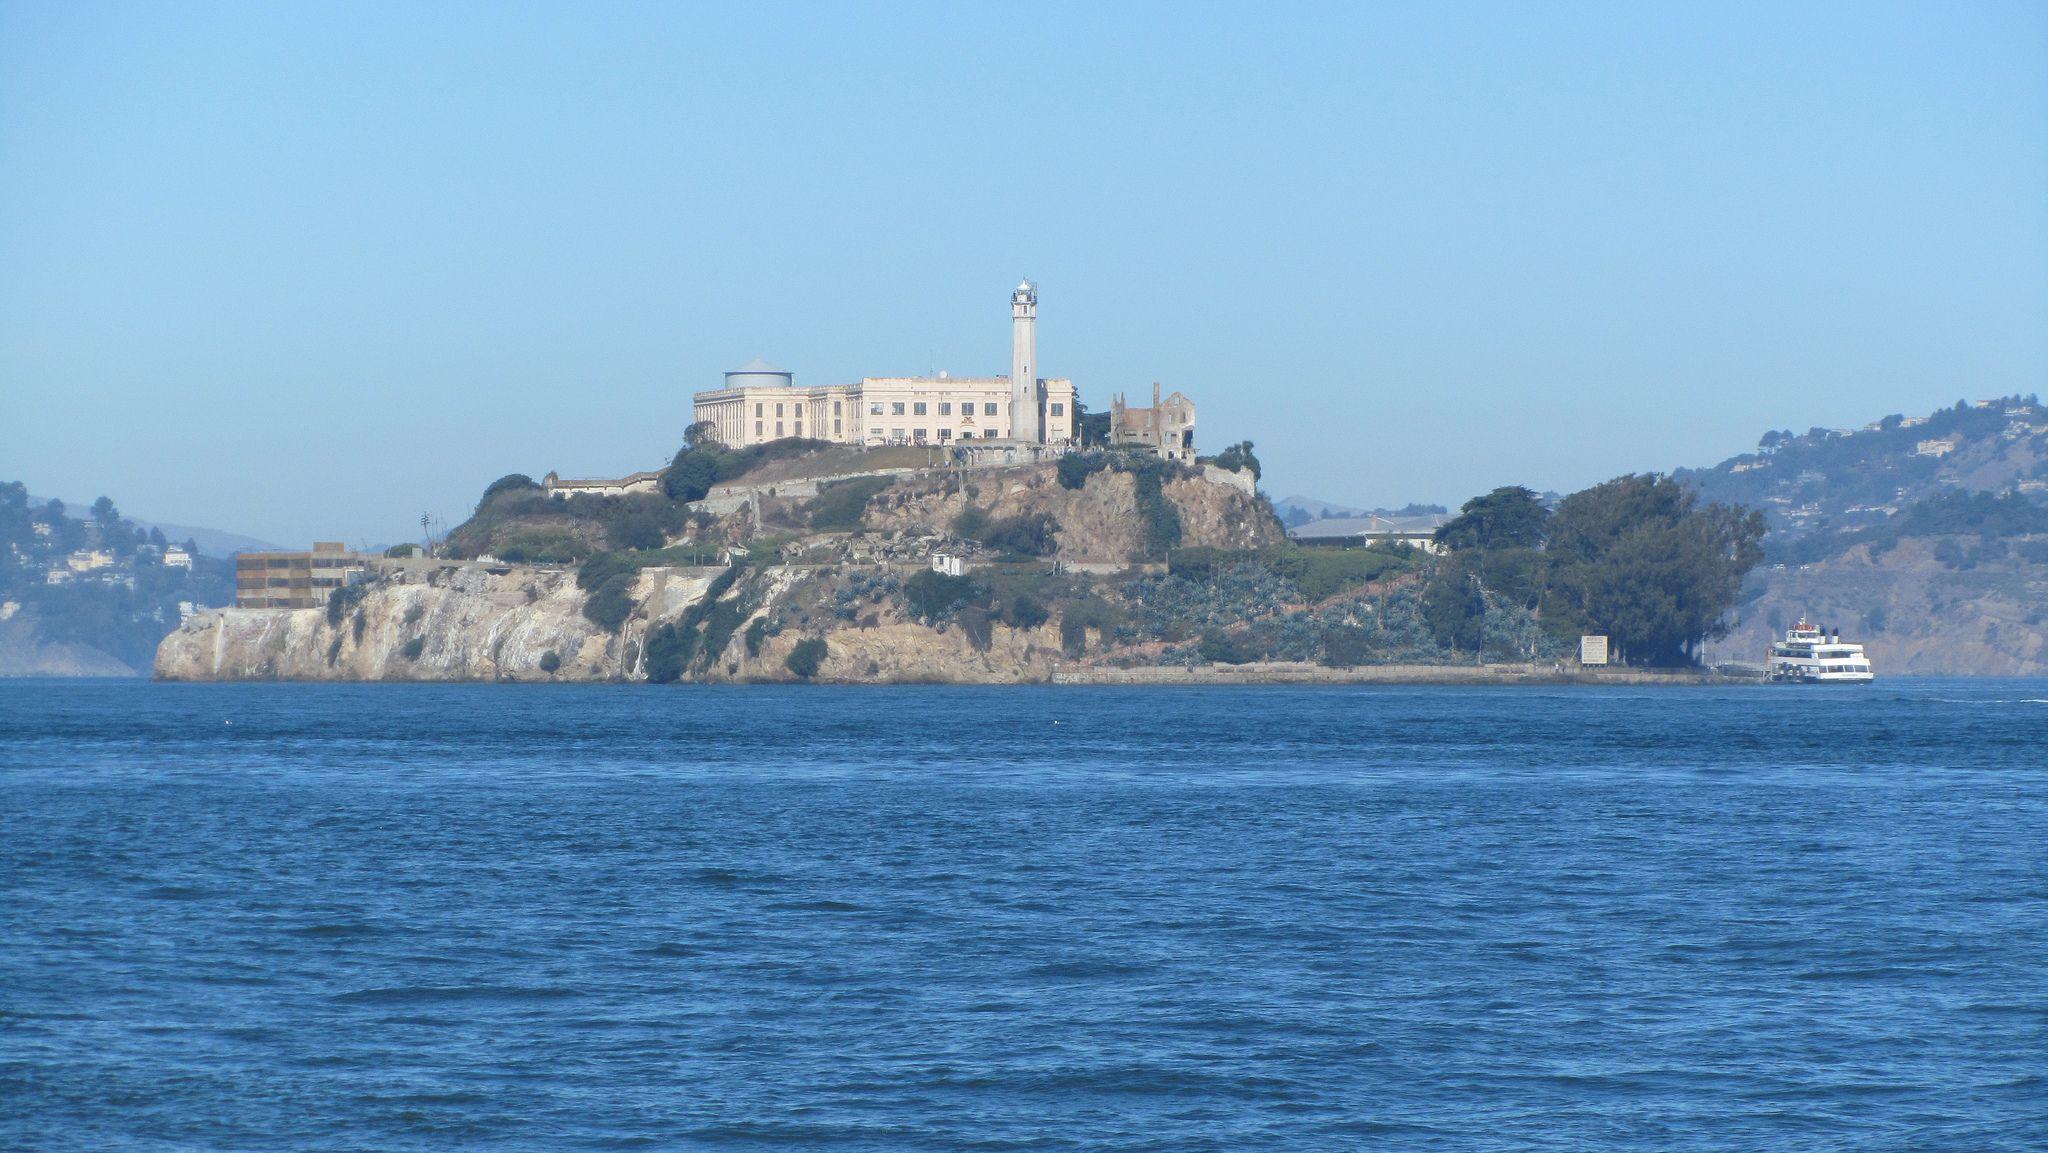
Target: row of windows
{"points": [[919, 435], [759, 407], [921, 408]]}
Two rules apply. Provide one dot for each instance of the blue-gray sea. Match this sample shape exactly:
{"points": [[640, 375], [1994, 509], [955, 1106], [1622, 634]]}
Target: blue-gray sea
{"points": [[285, 917]]}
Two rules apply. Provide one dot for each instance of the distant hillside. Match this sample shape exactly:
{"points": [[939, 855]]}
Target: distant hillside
{"points": [[92, 595], [1295, 511], [1925, 537], [211, 541], [1843, 479]]}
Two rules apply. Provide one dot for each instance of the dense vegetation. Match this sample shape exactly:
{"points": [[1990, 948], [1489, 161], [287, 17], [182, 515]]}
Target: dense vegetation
{"points": [[1638, 558], [703, 462], [1828, 481], [839, 505], [1996, 522], [517, 521], [122, 609]]}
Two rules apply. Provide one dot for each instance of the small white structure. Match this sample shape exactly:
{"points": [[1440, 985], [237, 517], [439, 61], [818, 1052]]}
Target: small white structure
{"points": [[175, 556], [1593, 650], [948, 564], [1939, 447], [86, 560]]}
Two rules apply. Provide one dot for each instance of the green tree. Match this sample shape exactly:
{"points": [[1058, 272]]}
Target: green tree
{"points": [[1639, 559], [1507, 517], [690, 475], [1453, 608], [1238, 458]]}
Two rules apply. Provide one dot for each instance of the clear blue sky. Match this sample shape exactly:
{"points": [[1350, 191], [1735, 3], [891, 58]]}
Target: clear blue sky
{"points": [[308, 270]]}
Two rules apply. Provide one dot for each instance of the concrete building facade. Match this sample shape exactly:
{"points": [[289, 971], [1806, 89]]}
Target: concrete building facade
{"points": [[760, 402], [297, 580]]}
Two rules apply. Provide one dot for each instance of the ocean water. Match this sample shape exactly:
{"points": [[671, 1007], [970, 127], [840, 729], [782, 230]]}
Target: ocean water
{"points": [[277, 917]]}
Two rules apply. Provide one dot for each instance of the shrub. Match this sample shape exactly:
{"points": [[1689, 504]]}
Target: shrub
{"points": [[932, 596], [1025, 613], [612, 603], [1238, 458], [640, 529], [1077, 617], [516, 482], [980, 630], [690, 476], [1031, 534], [414, 647], [550, 661], [719, 624], [756, 633], [402, 550], [1221, 648], [970, 524], [668, 653], [807, 657], [839, 506], [557, 547], [1075, 469], [341, 600], [1345, 646]]}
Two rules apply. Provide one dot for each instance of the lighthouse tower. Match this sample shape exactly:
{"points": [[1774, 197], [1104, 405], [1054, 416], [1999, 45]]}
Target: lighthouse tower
{"points": [[1024, 415]]}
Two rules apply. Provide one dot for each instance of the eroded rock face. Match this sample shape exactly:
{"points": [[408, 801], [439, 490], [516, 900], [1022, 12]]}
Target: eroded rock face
{"points": [[478, 623], [1100, 522], [471, 625]]}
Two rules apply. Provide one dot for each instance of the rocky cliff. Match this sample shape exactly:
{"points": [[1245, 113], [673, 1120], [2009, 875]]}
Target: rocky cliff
{"points": [[458, 624], [492, 622]]}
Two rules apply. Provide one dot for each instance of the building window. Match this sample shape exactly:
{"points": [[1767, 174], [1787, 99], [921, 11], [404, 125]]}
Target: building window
{"points": [[917, 434], [945, 434], [895, 434], [778, 428], [835, 426], [757, 410], [945, 408], [989, 409], [799, 430], [757, 428], [1059, 409], [918, 408], [875, 408], [835, 408], [896, 408], [778, 408], [874, 434]]}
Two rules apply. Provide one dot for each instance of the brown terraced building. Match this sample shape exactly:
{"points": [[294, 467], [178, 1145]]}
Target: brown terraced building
{"points": [[296, 580]]}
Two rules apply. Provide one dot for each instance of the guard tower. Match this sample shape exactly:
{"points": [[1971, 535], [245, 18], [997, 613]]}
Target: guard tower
{"points": [[1024, 414]]}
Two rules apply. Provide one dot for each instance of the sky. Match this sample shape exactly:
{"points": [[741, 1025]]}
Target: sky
{"points": [[311, 271]]}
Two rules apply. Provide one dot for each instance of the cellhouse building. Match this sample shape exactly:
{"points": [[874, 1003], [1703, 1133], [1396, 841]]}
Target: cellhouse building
{"points": [[761, 402]]}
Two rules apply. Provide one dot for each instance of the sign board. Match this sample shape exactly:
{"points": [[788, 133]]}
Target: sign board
{"points": [[1593, 650]]}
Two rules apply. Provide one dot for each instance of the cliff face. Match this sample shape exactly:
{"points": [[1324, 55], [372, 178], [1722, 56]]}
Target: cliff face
{"points": [[489, 623], [1100, 523], [470, 625]]}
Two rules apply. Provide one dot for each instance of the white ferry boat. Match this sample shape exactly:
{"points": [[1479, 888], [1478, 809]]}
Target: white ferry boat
{"points": [[1815, 656]]}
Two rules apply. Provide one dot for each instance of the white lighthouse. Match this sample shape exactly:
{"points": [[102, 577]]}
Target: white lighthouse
{"points": [[1024, 415]]}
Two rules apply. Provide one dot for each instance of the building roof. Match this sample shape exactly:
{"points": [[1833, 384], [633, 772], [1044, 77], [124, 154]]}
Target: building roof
{"points": [[554, 481], [1331, 528], [758, 365]]}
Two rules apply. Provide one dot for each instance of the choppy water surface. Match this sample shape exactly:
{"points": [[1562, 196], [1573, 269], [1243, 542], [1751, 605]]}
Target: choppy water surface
{"points": [[394, 917]]}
